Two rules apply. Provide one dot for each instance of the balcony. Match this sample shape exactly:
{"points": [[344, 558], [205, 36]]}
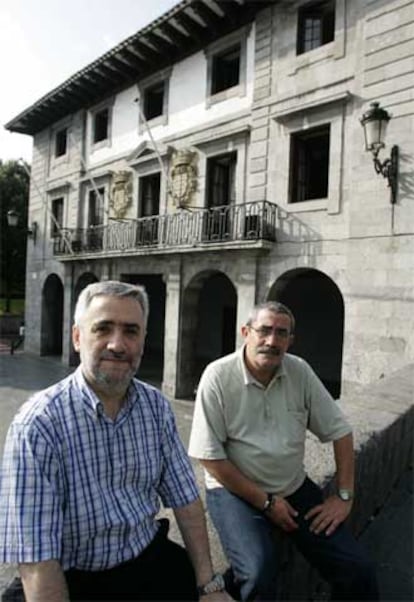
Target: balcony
{"points": [[230, 226]]}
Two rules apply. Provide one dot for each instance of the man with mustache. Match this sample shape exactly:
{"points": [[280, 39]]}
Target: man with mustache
{"points": [[86, 464], [252, 411]]}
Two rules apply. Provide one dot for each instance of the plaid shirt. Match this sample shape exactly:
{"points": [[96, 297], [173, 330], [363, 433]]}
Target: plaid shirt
{"points": [[81, 488]]}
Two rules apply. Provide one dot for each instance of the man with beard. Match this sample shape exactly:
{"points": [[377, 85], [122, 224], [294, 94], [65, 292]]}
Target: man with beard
{"points": [[86, 464], [252, 411]]}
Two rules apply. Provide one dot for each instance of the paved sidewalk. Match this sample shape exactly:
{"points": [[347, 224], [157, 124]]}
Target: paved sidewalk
{"points": [[389, 537]]}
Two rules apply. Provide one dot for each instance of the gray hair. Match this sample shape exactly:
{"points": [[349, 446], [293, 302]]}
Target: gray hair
{"points": [[111, 288], [275, 307]]}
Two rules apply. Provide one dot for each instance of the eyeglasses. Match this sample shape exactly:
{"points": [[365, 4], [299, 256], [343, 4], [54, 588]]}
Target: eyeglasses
{"points": [[266, 331]]}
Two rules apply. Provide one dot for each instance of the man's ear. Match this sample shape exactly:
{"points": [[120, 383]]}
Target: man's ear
{"points": [[291, 340], [244, 330], [76, 337]]}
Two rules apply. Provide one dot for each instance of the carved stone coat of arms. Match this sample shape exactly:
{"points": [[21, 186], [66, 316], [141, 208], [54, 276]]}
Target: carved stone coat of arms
{"points": [[183, 177], [121, 193]]}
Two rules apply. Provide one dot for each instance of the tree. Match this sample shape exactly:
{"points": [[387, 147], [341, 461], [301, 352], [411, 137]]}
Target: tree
{"points": [[14, 194]]}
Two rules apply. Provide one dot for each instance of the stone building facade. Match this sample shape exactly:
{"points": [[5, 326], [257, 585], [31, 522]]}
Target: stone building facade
{"points": [[217, 158]]}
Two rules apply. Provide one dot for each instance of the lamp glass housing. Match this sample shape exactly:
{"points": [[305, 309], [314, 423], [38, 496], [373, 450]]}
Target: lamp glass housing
{"points": [[375, 134], [12, 218]]}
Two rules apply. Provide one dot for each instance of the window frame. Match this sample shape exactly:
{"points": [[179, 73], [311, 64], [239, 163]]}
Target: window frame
{"points": [[57, 134], [304, 12], [104, 106], [54, 231], [297, 120], [299, 145], [220, 48], [144, 86], [147, 177]]}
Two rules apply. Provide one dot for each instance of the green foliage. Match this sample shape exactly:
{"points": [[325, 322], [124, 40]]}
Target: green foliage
{"points": [[14, 194], [16, 307]]}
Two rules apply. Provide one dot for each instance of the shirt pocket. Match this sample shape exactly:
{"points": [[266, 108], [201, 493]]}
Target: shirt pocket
{"points": [[297, 425]]}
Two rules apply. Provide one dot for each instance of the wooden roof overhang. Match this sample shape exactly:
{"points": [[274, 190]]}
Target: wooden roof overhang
{"points": [[186, 28]]}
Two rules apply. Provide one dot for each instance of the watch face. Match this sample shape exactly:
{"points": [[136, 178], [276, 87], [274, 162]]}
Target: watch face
{"points": [[345, 495]]}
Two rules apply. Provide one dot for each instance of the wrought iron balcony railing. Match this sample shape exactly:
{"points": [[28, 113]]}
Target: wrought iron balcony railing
{"points": [[251, 221]]}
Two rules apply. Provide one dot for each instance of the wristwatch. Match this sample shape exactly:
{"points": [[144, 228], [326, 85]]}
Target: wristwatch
{"points": [[346, 495], [268, 503], [216, 584]]}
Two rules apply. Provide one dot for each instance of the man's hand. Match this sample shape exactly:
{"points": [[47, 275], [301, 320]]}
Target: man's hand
{"points": [[328, 515], [282, 514]]}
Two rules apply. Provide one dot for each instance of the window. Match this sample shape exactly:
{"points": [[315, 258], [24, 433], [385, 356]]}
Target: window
{"points": [[61, 142], [221, 180], [149, 206], [101, 125], [149, 195], [56, 223], [221, 172], [225, 69], [309, 164], [96, 207], [316, 25], [154, 100]]}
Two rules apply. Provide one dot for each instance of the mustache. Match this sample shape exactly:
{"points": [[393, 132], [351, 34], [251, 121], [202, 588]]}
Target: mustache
{"points": [[274, 351], [113, 355]]}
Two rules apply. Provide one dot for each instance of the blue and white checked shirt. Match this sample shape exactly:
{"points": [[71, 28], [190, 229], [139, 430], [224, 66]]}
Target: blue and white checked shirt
{"points": [[81, 488]]}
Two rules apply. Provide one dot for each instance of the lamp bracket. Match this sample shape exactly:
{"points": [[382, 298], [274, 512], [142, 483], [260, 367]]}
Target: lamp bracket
{"points": [[389, 170]]}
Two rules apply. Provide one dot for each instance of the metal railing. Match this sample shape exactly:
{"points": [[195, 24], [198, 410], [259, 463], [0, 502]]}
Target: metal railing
{"points": [[250, 221]]}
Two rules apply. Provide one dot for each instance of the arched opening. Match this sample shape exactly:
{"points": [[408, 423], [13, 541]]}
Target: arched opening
{"points": [[52, 316], [208, 326], [152, 364], [318, 307], [82, 282]]}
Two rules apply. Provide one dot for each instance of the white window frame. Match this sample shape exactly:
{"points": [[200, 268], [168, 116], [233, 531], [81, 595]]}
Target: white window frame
{"points": [[331, 50], [108, 104], [282, 127], [143, 86], [218, 47]]}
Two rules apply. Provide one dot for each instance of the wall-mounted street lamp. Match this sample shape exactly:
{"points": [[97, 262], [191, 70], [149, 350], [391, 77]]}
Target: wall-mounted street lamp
{"points": [[13, 221], [375, 122]]}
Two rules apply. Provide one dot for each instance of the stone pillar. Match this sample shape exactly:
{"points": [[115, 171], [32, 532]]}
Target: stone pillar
{"points": [[68, 292], [172, 332], [246, 296]]}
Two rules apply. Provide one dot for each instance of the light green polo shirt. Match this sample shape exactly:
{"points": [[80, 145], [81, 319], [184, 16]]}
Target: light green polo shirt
{"points": [[262, 430]]}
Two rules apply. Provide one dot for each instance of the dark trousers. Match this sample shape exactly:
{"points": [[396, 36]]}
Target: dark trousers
{"points": [[162, 571], [248, 539]]}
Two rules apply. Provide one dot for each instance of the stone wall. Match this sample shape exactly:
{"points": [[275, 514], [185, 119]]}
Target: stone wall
{"points": [[382, 416]]}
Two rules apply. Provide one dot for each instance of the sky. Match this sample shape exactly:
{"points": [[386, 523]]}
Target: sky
{"points": [[44, 42]]}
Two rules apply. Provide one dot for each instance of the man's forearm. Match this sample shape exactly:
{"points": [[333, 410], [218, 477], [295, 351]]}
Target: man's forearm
{"points": [[44, 582], [235, 481], [344, 459], [192, 524]]}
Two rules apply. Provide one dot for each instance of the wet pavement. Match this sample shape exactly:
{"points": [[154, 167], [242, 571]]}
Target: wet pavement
{"points": [[389, 537]]}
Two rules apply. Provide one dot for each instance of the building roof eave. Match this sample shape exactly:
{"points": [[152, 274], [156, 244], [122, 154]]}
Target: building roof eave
{"points": [[182, 30]]}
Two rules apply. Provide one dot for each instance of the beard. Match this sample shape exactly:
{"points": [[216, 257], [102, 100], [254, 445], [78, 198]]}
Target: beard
{"points": [[114, 381]]}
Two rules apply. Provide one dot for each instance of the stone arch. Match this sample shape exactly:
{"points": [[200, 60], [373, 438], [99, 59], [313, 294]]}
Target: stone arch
{"points": [[318, 306], [52, 316], [208, 326]]}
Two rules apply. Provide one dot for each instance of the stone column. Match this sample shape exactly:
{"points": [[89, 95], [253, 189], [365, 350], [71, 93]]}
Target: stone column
{"points": [[172, 332], [68, 292], [246, 296]]}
